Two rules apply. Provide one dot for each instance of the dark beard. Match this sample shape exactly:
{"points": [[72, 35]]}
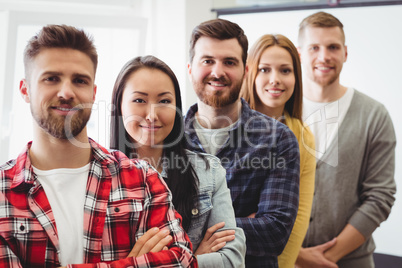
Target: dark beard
{"points": [[216, 100]]}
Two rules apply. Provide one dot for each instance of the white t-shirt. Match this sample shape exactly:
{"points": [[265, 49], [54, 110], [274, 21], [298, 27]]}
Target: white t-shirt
{"points": [[212, 139], [65, 189], [324, 119]]}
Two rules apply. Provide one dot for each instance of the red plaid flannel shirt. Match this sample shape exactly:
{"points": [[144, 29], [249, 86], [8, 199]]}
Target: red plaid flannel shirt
{"points": [[124, 199]]}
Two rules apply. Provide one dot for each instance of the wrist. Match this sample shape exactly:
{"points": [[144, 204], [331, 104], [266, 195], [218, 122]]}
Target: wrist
{"points": [[331, 256]]}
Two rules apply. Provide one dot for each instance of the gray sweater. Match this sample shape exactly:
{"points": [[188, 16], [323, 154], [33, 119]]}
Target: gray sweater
{"points": [[360, 189]]}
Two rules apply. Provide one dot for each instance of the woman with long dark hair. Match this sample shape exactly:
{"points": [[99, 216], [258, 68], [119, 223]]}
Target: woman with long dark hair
{"points": [[147, 123]]}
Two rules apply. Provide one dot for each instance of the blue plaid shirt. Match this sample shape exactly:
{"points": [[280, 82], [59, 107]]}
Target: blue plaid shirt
{"points": [[261, 158]]}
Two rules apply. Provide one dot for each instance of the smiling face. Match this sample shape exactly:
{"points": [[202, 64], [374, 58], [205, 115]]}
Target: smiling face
{"points": [[61, 91], [323, 53], [148, 106], [217, 71], [275, 81]]}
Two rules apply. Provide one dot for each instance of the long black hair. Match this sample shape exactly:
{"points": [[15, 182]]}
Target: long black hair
{"points": [[182, 182]]}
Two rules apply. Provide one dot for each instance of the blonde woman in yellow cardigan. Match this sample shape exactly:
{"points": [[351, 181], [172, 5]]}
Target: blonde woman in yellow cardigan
{"points": [[273, 87]]}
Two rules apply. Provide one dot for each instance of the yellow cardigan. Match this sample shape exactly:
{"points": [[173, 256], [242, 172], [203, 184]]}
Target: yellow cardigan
{"points": [[307, 177]]}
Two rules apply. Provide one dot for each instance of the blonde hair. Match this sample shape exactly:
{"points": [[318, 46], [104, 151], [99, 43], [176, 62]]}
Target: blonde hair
{"points": [[320, 20]]}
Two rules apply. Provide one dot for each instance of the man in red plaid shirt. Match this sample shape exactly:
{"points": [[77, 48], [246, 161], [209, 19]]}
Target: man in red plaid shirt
{"points": [[66, 201]]}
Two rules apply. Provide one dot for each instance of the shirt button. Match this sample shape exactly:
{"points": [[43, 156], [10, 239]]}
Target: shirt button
{"points": [[194, 211], [22, 227], [116, 209]]}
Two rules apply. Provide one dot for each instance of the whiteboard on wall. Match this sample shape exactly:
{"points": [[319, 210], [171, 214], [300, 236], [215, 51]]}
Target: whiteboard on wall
{"points": [[374, 67]]}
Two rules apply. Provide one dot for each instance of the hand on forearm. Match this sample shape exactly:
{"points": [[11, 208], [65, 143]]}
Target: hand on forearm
{"points": [[348, 240], [213, 240], [313, 257], [154, 240]]}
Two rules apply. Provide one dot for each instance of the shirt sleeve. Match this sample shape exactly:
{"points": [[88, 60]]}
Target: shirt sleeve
{"points": [[158, 211], [7, 256], [233, 253], [268, 233], [377, 178]]}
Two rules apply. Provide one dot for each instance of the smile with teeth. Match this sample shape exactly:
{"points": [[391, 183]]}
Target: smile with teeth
{"points": [[65, 109], [215, 84], [150, 127], [275, 90], [323, 68]]}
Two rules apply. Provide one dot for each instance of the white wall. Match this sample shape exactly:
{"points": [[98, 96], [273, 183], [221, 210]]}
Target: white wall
{"points": [[170, 23], [374, 67]]}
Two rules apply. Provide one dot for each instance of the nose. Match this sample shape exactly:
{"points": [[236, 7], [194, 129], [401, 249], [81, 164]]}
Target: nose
{"points": [[152, 113], [217, 70], [66, 91], [274, 78], [323, 55]]}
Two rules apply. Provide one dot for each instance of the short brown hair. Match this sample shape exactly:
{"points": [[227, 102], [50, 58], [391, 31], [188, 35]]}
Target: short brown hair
{"points": [[320, 20], [222, 30], [59, 36], [294, 105]]}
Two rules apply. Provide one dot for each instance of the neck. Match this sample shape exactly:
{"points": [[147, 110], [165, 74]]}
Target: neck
{"points": [[215, 118], [152, 155], [275, 113], [48, 152], [318, 93]]}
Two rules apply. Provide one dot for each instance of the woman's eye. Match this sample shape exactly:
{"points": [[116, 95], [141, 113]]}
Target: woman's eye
{"points": [[166, 101], [139, 101], [263, 70], [286, 71]]}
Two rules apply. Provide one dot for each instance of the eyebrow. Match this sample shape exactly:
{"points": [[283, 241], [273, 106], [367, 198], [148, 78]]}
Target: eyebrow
{"points": [[51, 73], [82, 76], [269, 64], [225, 58], [146, 94]]}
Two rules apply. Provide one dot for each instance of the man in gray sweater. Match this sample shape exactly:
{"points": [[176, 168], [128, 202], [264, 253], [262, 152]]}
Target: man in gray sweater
{"points": [[355, 149]]}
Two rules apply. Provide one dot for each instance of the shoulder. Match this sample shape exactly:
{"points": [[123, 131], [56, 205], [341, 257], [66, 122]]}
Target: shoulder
{"points": [[255, 121], [207, 167], [300, 129], [369, 109], [8, 165], [365, 102], [207, 159]]}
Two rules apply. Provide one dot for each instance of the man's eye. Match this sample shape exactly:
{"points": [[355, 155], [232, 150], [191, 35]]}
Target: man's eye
{"points": [[52, 79], [80, 81]]}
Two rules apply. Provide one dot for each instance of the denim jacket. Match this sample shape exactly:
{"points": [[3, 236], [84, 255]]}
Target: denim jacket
{"points": [[214, 206]]}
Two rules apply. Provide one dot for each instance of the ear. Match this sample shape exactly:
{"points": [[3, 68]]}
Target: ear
{"points": [[245, 71], [346, 53], [189, 70], [95, 89], [299, 51], [24, 90]]}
